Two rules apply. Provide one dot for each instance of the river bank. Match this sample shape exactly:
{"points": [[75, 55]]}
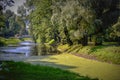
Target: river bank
{"points": [[68, 61], [103, 53], [79, 65], [9, 41]]}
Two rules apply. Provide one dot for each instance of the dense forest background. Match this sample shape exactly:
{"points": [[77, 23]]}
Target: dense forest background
{"points": [[64, 21]]}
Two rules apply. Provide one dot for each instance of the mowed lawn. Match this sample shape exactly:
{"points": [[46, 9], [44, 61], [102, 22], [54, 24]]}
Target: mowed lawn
{"points": [[85, 67]]}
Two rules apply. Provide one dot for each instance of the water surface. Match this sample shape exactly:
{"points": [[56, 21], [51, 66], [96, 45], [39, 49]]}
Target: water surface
{"points": [[23, 49]]}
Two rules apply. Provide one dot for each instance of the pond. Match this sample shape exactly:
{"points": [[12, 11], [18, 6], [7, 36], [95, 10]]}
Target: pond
{"points": [[23, 49]]}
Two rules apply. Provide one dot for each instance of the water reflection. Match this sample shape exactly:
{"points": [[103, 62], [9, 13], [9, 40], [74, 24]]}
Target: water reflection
{"points": [[26, 48], [27, 43], [34, 50], [38, 50]]}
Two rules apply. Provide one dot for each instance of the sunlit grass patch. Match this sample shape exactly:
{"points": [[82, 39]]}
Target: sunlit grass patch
{"points": [[110, 54], [63, 48], [82, 66], [107, 53], [7, 41], [12, 41]]}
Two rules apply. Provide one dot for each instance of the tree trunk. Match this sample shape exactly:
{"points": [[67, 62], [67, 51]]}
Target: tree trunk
{"points": [[98, 40], [84, 40], [69, 41], [43, 49], [57, 37], [34, 39], [90, 39], [118, 40]]}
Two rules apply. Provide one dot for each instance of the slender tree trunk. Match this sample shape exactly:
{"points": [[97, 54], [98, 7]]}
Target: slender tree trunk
{"points": [[43, 49], [90, 39], [118, 40], [84, 40], [59, 39], [79, 41], [69, 41], [35, 40], [98, 40]]}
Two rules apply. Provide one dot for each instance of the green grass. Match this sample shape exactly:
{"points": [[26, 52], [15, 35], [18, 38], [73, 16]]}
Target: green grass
{"points": [[5, 41], [12, 41], [82, 66], [25, 71], [26, 39], [63, 48], [107, 53]]}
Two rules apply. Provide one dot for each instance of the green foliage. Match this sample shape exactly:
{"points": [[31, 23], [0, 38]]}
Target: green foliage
{"points": [[2, 21], [116, 28], [10, 26], [39, 18], [51, 42], [21, 22], [74, 16], [63, 48], [72, 21], [25, 71], [51, 47], [22, 11], [108, 54]]}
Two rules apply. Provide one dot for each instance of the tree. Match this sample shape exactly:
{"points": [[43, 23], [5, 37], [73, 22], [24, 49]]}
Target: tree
{"points": [[39, 20], [115, 31], [11, 27], [2, 24], [21, 19], [74, 18], [3, 4], [22, 24], [107, 12], [71, 21]]}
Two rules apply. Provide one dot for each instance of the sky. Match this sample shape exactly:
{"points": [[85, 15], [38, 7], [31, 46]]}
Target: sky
{"points": [[17, 3]]}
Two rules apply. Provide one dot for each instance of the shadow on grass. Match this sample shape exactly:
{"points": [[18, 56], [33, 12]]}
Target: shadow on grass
{"points": [[24, 71], [51, 64], [95, 48]]}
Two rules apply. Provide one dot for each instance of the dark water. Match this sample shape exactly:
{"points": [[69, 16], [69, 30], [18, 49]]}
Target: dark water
{"points": [[24, 49]]}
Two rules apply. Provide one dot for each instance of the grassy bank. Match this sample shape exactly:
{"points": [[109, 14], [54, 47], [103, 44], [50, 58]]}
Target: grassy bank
{"points": [[5, 41], [24, 71], [105, 53], [26, 39], [82, 66]]}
